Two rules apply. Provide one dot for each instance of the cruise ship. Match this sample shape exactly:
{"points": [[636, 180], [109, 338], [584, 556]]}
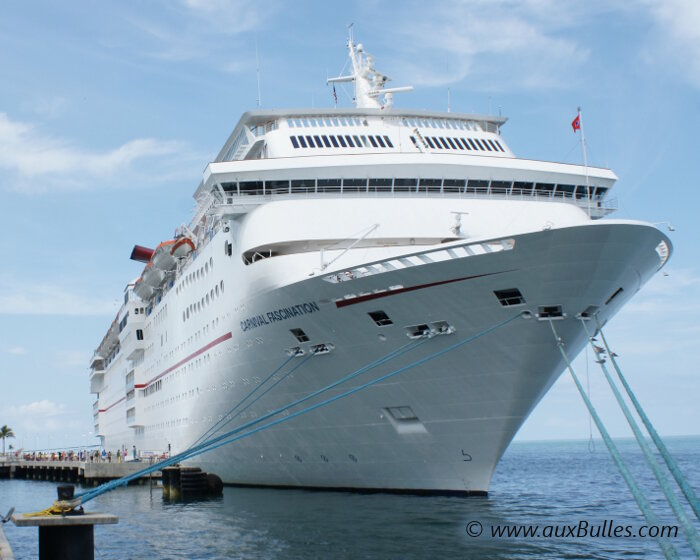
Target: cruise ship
{"points": [[406, 262]]}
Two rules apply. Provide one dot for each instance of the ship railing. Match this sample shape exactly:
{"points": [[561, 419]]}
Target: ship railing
{"points": [[597, 206]]}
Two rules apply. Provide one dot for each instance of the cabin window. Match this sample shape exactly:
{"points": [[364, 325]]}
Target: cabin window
{"points": [[429, 141], [317, 139], [310, 142], [334, 141], [381, 142], [511, 296], [139, 334], [373, 142], [325, 141], [442, 140], [294, 141], [388, 142], [473, 145], [451, 143], [302, 142], [350, 142], [300, 335]]}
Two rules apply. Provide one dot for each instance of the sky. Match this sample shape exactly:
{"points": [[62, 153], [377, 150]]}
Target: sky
{"points": [[109, 112]]}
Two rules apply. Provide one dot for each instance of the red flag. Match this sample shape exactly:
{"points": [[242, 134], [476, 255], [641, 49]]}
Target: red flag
{"points": [[576, 124]]}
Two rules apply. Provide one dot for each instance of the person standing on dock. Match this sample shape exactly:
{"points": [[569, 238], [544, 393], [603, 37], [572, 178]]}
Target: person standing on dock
{"points": [[133, 452]]}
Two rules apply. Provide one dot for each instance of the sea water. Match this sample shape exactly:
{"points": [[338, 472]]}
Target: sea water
{"points": [[563, 486]]}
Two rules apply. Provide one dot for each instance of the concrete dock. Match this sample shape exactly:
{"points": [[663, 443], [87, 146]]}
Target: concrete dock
{"points": [[72, 471]]}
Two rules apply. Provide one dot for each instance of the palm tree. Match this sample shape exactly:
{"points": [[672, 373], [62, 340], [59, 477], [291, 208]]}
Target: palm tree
{"points": [[5, 432]]}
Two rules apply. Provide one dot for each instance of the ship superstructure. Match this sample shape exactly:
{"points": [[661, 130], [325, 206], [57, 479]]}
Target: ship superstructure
{"points": [[325, 239]]}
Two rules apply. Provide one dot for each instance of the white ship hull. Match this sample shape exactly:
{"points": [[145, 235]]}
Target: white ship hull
{"points": [[340, 236], [469, 402]]}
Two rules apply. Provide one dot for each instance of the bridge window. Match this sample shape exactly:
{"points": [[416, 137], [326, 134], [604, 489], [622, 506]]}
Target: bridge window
{"points": [[388, 142], [294, 141], [373, 142], [334, 141], [381, 142], [430, 142], [325, 141], [310, 142], [302, 142], [348, 138]]}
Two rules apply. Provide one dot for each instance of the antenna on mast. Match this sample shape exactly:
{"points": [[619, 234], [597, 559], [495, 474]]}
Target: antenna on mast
{"points": [[369, 84], [257, 72]]}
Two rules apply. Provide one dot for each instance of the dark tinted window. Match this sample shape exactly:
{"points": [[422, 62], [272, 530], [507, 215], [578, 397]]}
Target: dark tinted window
{"points": [[294, 141], [466, 144], [334, 141], [472, 144], [388, 142], [429, 141], [349, 140], [342, 141], [443, 142], [381, 142], [325, 141], [310, 141], [373, 141], [302, 141], [499, 145], [454, 147]]}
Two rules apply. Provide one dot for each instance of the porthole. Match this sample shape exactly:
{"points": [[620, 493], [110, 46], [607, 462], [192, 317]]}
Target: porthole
{"points": [[216, 291], [188, 313], [206, 300], [222, 286], [206, 268], [211, 262]]}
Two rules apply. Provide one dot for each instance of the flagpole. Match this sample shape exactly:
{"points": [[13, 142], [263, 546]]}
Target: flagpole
{"points": [[585, 160]]}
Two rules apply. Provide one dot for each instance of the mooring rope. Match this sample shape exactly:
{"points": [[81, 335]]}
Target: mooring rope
{"points": [[201, 448], [676, 506], [354, 390], [667, 548], [670, 462], [231, 436], [390, 356], [222, 421]]}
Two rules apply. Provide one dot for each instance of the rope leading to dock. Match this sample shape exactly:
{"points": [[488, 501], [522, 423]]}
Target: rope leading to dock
{"points": [[670, 462], [235, 434], [644, 505], [673, 501], [225, 420]]}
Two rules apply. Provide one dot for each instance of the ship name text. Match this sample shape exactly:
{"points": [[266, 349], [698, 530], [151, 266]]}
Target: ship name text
{"points": [[279, 315]]}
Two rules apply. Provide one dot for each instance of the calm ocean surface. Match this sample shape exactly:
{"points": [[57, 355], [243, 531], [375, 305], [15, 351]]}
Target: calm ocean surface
{"points": [[552, 483]]}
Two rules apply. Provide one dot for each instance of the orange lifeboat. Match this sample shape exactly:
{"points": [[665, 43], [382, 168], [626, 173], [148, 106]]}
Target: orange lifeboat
{"points": [[143, 290], [152, 276], [162, 257], [182, 247]]}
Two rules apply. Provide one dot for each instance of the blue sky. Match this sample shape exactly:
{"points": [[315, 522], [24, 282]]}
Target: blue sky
{"points": [[109, 113]]}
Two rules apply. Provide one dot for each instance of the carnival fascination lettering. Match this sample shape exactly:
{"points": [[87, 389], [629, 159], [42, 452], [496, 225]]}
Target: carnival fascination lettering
{"points": [[279, 315]]}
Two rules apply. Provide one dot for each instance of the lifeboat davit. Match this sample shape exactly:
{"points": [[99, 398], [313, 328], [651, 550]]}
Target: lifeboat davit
{"points": [[162, 257], [143, 290], [182, 247], [152, 276]]}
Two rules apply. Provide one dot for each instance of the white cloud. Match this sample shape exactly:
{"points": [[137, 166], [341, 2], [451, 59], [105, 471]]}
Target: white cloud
{"points": [[38, 162], [208, 31], [499, 43], [16, 351], [678, 22], [28, 298], [43, 417]]}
